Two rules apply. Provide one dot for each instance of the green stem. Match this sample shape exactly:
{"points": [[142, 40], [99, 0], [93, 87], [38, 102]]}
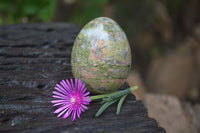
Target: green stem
{"points": [[102, 96], [133, 88], [113, 93]]}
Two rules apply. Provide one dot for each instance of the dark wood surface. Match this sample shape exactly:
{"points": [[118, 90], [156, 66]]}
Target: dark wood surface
{"points": [[33, 58]]}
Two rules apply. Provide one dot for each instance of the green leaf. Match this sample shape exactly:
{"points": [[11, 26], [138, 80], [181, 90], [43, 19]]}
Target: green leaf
{"points": [[119, 94], [108, 99], [120, 103], [103, 107]]}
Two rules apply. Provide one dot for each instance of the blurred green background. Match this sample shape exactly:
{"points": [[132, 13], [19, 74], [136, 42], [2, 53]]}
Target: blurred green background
{"points": [[164, 35]]}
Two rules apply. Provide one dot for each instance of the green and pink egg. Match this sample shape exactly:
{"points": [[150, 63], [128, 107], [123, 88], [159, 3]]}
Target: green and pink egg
{"points": [[101, 56]]}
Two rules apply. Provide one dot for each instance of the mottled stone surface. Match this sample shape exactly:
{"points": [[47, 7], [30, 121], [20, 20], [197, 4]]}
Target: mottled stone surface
{"points": [[101, 55]]}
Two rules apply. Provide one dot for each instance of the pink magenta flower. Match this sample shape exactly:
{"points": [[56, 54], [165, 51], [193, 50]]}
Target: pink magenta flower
{"points": [[70, 99]]}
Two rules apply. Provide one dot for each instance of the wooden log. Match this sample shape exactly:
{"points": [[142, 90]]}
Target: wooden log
{"points": [[33, 58]]}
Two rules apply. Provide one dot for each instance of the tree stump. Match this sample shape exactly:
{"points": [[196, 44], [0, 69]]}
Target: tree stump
{"points": [[33, 58]]}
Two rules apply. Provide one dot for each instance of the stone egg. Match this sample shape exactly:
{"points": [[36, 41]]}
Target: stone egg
{"points": [[101, 56]]}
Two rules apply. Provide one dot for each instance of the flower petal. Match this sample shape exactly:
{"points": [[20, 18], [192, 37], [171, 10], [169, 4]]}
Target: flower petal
{"points": [[58, 104], [88, 101], [83, 86], [62, 112], [73, 116], [87, 93], [61, 108], [59, 94], [79, 85], [60, 97], [87, 97], [67, 113], [69, 84], [61, 88], [72, 84], [65, 91], [78, 112], [63, 85], [82, 109], [68, 89], [57, 101], [84, 102], [84, 106]]}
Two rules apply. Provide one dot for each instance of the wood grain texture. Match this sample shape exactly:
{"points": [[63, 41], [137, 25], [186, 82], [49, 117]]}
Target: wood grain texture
{"points": [[33, 58]]}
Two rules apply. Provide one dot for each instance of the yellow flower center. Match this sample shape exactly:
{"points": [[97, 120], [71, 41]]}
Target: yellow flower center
{"points": [[73, 100]]}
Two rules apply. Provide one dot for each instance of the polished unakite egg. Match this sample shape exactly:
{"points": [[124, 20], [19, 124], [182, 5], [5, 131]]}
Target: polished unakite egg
{"points": [[101, 56]]}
